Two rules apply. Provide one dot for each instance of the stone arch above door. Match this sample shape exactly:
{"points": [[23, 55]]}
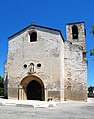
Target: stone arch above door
{"points": [[25, 84]]}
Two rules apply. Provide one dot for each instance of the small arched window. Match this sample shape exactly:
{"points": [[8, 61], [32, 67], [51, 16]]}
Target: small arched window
{"points": [[33, 37], [75, 32]]}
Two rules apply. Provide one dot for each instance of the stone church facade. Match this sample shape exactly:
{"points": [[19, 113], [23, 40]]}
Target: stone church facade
{"points": [[41, 65]]}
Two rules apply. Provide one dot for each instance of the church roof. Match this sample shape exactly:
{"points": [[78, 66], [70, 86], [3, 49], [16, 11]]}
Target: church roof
{"points": [[32, 26]]}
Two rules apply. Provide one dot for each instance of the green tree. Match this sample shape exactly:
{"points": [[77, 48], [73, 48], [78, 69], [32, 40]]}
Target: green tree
{"points": [[1, 86], [92, 30], [92, 50]]}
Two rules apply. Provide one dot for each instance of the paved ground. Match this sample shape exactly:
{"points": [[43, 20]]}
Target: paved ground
{"points": [[69, 110]]}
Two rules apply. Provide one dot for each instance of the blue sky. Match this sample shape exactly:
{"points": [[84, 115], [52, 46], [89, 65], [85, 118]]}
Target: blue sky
{"points": [[17, 14]]}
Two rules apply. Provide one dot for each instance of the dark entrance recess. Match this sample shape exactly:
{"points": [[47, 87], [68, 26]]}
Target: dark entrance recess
{"points": [[34, 90]]}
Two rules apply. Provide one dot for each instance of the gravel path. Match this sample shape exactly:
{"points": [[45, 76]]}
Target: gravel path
{"points": [[69, 110]]}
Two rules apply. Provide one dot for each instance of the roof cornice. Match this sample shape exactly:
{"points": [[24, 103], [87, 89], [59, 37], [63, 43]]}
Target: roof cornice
{"points": [[33, 25]]}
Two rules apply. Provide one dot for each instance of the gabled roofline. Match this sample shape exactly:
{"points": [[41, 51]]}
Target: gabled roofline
{"points": [[19, 32]]}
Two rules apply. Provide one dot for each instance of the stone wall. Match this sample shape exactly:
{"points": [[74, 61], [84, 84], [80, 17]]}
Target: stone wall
{"points": [[60, 67], [45, 51], [75, 73], [81, 34], [75, 63]]}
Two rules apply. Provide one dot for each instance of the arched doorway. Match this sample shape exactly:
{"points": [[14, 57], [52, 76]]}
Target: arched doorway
{"points": [[34, 90]]}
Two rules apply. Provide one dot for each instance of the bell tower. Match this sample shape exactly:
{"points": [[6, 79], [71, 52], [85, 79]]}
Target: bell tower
{"points": [[75, 62], [75, 33]]}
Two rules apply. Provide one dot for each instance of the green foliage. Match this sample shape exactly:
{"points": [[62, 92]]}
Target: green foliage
{"points": [[1, 86], [92, 30], [1, 91], [1, 82], [92, 52]]}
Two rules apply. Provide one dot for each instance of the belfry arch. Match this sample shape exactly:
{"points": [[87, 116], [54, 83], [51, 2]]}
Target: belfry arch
{"points": [[31, 88]]}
